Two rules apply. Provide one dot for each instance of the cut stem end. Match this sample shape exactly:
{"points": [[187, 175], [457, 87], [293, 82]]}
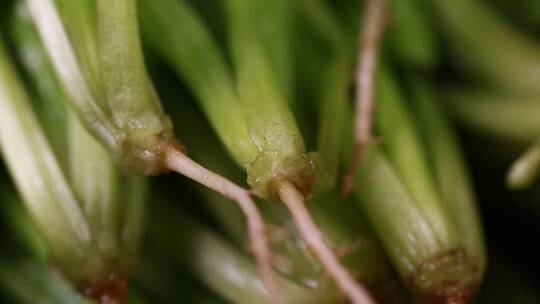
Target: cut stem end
{"points": [[450, 277]]}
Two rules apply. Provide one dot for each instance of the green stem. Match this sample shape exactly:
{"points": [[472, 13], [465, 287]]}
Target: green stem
{"points": [[134, 105], [151, 147], [423, 262], [404, 205], [134, 198], [402, 227], [174, 31], [43, 85], [95, 179], [404, 149], [48, 197], [451, 174], [80, 21], [114, 98], [270, 124], [276, 28], [257, 127], [333, 111], [28, 279], [85, 101], [105, 198], [333, 117]]}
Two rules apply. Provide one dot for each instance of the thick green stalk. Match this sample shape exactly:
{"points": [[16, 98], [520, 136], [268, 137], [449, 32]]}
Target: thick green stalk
{"points": [[332, 109], [131, 123], [257, 127], [399, 222], [52, 115], [412, 244], [333, 117], [40, 180], [128, 90], [111, 204], [84, 97], [134, 198], [80, 21], [406, 209], [131, 98], [174, 31], [425, 264], [123, 111], [333, 113], [225, 270], [469, 26], [138, 134], [512, 118], [270, 124], [24, 274], [451, 174], [147, 144], [276, 27], [96, 181], [401, 141]]}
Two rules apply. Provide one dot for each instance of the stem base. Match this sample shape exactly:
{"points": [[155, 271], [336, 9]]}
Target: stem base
{"points": [[450, 277], [110, 290]]}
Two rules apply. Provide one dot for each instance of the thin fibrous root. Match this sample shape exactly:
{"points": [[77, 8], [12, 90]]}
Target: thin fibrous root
{"points": [[370, 36], [294, 201], [179, 162]]}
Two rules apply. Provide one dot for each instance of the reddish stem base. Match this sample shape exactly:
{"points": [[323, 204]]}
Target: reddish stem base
{"points": [[111, 290]]}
